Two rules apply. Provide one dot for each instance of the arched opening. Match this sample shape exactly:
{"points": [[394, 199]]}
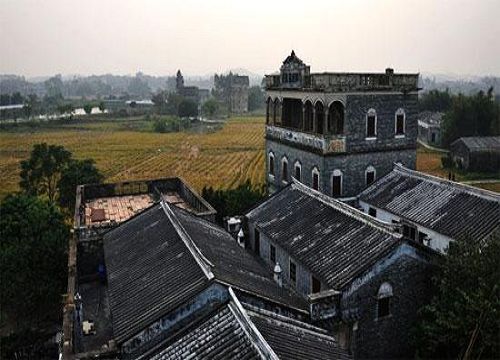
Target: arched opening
{"points": [[277, 112], [298, 171], [370, 175], [284, 169], [336, 118], [371, 124], [308, 116], [268, 110], [320, 116], [399, 122], [291, 113], [315, 179], [337, 183], [271, 164], [384, 296]]}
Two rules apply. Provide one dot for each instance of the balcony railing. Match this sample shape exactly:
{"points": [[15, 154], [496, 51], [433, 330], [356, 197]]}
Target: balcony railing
{"points": [[326, 144]]}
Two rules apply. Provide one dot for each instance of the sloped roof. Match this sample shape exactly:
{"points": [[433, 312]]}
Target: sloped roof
{"points": [[234, 265], [333, 240], [449, 208], [292, 58], [480, 143], [294, 340], [150, 270]]}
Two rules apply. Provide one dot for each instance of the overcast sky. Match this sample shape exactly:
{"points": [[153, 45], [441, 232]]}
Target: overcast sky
{"points": [[44, 37]]}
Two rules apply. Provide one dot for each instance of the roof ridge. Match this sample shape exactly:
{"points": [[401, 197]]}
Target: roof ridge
{"points": [[202, 261], [257, 339], [345, 209], [440, 181]]}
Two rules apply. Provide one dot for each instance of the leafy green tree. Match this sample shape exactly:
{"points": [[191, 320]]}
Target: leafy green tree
{"points": [[256, 98], [87, 108], [160, 102], [76, 172], [33, 260], [40, 174], [102, 106], [463, 318], [187, 108], [435, 100], [210, 107]]}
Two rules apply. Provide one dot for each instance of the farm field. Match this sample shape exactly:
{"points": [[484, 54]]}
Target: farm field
{"points": [[123, 150], [221, 159]]}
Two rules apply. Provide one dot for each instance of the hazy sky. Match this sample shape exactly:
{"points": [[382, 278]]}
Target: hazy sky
{"points": [[44, 37]]}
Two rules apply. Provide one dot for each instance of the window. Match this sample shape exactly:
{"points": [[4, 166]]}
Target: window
{"points": [[315, 179], [371, 124], [337, 183], [369, 175], [271, 164], [372, 212], [316, 285], [421, 237], [293, 272], [284, 170], [409, 232], [256, 236], [272, 253], [298, 170], [384, 296], [400, 122]]}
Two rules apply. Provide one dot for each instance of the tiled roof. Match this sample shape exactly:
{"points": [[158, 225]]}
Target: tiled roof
{"points": [[234, 265], [291, 339], [480, 143], [150, 269], [219, 336], [333, 240], [449, 208]]}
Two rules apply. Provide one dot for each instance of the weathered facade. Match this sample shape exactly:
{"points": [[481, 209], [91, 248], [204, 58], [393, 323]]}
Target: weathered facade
{"points": [[361, 276], [337, 132], [477, 153], [232, 90], [429, 127]]}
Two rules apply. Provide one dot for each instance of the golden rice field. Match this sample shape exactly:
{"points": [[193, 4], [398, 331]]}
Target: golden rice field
{"points": [[221, 159]]}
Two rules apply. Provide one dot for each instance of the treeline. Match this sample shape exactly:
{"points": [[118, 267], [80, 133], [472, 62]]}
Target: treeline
{"points": [[476, 115]]}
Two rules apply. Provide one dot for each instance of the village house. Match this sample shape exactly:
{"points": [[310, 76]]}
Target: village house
{"points": [[431, 210], [363, 279], [338, 132], [477, 153], [429, 127]]}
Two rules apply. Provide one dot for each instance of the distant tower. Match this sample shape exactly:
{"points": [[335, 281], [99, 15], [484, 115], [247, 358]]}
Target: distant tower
{"points": [[179, 81], [338, 132]]}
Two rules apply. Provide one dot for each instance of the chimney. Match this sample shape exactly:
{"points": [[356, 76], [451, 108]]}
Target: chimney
{"points": [[241, 240], [277, 274]]}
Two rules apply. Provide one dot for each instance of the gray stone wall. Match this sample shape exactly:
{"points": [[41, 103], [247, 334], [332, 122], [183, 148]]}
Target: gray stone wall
{"points": [[352, 166], [389, 336]]}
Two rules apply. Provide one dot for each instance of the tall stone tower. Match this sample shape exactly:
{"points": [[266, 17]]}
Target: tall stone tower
{"points": [[179, 81], [338, 132]]}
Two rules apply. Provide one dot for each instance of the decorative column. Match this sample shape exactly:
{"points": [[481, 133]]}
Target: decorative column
{"points": [[315, 123], [325, 121], [303, 120]]}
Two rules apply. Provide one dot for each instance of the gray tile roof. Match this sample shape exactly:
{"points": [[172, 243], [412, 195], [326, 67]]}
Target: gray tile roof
{"points": [[480, 143], [150, 271], [234, 265], [220, 336], [293, 340], [449, 208], [333, 240]]}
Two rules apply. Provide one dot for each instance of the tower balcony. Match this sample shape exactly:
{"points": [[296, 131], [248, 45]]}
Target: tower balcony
{"points": [[320, 143]]}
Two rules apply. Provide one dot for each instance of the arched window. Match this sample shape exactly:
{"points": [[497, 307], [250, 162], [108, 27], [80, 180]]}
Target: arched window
{"points": [[298, 171], [370, 175], [315, 179], [271, 164], [337, 183], [308, 116], [371, 124], [277, 111], [284, 169], [336, 118], [400, 122], [384, 296], [320, 115]]}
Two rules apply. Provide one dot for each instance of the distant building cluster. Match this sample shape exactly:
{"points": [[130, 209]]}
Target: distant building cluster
{"points": [[335, 264]]}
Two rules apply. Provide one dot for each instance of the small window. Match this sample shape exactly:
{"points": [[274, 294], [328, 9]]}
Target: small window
{"points": [[400, 122], [293, 272], [384, 296], [298, 170], [409, 232], [272, 253], [421, 237], [284, 170], [256, 242], [316, 285], [369, 175], [315, 179], [337, 183], [372, 212], [371, 124], [271, 164]]}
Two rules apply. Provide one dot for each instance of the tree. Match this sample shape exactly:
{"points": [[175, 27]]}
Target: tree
{"points": [[87, 108], [76, 172], [40, 174], [102, 106], [210, 107], [435, 100], [160, 101], [463, 318], [33, 259], [187, 108], [256, 98]]}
